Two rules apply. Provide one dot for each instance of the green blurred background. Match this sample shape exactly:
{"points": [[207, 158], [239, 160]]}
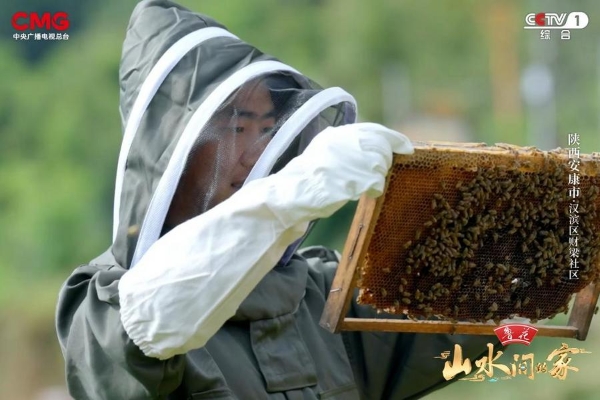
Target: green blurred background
{"points": [[454, 70]]}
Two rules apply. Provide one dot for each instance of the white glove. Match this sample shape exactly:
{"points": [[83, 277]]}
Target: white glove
{"points": [[193, 279], [340, 164]]}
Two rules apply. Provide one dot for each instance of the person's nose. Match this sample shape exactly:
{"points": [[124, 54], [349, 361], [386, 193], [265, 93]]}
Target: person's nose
{"points": [[251, 155]]}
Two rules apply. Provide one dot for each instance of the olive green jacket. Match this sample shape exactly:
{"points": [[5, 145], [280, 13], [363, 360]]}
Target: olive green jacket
{"points": [[273, 350]]}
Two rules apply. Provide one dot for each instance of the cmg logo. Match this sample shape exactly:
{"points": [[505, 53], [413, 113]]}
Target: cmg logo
{"points": [[23, 21]]}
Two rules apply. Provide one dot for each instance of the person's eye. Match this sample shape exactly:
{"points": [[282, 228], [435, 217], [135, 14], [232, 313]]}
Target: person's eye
{"points": [[239, 129], [267, 130]]}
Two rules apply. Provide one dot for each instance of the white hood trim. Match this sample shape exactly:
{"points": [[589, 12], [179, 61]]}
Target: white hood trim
{"points": [[155, 78]]}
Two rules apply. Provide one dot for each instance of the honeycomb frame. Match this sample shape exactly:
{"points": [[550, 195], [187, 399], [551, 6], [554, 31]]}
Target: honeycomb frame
{"points": [[471, 161]]}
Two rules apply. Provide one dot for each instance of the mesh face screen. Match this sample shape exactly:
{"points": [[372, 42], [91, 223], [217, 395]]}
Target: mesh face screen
{"points": [[479, 233], [233, 139]]}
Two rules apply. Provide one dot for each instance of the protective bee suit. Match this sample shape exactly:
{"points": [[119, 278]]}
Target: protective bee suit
{"points": [[227, 157]]}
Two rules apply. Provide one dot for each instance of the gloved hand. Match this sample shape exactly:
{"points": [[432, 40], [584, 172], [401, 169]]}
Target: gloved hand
{"points": [[339, 165], [193, 279]]}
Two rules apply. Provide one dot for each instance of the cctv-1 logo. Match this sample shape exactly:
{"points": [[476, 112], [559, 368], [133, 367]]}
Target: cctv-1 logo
{"points": [[547, 20]]}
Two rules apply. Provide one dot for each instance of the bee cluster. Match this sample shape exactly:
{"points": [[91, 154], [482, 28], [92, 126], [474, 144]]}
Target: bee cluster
{"points": [[494, 245]]}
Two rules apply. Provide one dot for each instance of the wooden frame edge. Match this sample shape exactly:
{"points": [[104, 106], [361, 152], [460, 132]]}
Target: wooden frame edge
{"points": [[584, 309], [446, 327], [344, 282]]}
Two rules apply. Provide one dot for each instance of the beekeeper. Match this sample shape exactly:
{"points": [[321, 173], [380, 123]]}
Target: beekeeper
{"points": [[228, 156]]}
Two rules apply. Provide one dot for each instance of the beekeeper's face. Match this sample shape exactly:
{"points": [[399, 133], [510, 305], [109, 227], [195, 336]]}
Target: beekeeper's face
{"points": [[225, 152]]}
